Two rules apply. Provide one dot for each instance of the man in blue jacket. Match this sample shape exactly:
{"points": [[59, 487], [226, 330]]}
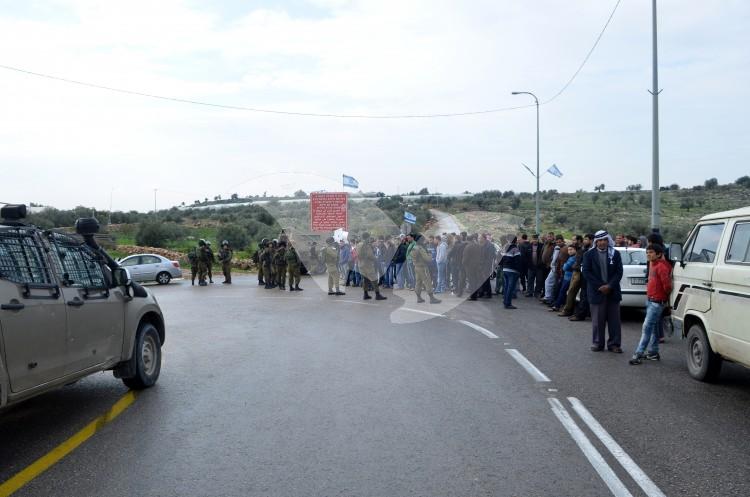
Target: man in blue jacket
{"points": [[602, 268]]}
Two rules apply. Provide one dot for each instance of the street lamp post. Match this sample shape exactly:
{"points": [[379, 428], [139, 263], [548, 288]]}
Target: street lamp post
{"points": [[655, 201], [536, 197]]}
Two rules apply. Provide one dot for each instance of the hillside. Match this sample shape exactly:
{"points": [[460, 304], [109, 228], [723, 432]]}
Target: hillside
{"points": [[626, 212]]}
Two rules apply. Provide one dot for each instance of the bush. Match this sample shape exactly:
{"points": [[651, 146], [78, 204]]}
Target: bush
{"points": [[743, 181], [237, 236], [157, 234], [711, 183]]}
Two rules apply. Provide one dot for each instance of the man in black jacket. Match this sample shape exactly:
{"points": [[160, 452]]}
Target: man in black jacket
{"points": [[533, 257]]}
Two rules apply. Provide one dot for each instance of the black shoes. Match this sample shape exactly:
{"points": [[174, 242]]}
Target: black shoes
{"points": [[636, 359], [380, 297], [433, 300], [596, 348], [511, 307], [653, 356], [331, 293], [340, 293]]}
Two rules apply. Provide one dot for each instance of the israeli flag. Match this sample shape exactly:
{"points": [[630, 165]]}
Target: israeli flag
{"points": [[410, 218], [554, 171], [350, 182]]}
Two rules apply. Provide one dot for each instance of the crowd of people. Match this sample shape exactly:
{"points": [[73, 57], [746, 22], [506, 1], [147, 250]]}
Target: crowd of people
{"points": [[576, 279]]}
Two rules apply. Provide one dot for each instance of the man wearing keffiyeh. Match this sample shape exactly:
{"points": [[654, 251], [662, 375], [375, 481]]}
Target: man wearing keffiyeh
{"points": [[602, 268]]}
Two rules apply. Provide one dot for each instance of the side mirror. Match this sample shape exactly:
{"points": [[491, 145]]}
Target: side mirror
{"points": [[675, 252], [122, 277]]}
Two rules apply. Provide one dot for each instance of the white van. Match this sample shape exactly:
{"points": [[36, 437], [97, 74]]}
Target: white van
{"points": [[711, 295]]}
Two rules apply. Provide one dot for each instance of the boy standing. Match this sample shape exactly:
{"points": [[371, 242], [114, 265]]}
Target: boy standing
{"points": [[658, 289]]}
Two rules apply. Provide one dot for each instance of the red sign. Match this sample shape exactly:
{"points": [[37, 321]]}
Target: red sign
{"points": [[328, 211]]}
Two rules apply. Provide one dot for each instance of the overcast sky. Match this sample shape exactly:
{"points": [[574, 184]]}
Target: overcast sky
{"points": [[66, 145]]}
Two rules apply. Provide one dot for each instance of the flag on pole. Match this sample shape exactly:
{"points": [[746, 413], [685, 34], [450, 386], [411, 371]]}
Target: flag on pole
{"points": [[350, 182], [554, 171], [410, 218]]}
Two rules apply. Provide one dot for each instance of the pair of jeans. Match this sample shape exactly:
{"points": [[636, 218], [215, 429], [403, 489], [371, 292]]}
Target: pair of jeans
{"points": [[398, 274], [442, 276], [562, 294], [530, 281], [649, 334], [510, 279]]}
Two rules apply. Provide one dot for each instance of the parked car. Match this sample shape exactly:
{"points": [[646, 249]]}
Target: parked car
{"points": [[711, 293], [633, 283], [68, 310], [151, 267]]}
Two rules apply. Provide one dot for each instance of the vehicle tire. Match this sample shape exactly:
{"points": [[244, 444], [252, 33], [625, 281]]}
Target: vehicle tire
{"points": [[147, 355], [702, 362], [163, 278]]}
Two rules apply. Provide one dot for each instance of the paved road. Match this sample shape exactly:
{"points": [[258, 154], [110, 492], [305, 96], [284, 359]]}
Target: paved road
{"points": [[273, 393], [446, 222]]}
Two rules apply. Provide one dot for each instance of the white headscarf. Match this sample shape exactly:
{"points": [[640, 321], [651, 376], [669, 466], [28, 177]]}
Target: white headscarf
{"points": [[602, 235]]}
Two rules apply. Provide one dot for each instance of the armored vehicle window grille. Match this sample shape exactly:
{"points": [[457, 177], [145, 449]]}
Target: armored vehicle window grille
{"points": [[22, 257], [77, 265]]}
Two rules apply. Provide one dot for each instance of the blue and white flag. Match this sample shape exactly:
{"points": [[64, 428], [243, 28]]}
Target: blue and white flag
{"points": [[350, 182], [410, 218], [554, 171]]}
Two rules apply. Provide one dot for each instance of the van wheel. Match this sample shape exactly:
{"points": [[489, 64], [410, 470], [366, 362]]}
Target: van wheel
{"points": [[703, 364], [163, 278], [147, 358]]}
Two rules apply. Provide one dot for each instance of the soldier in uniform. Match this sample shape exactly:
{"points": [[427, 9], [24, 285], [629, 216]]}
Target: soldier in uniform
{"points": [[293, 266], [266, 259], [203, 261], [279, 262], [258, 262], [225, 257], [193, 259], [368, 267], [422, 260], [472, 265], [211, 260], [331, 261]]}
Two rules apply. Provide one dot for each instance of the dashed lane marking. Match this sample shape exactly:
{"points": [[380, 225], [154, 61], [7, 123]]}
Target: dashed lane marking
{"points": [[527, 365], [53, 457], [484, 331], [418, 311]]}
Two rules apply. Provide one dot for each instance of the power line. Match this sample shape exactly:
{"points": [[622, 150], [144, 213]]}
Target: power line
{"points": [[314, 114], [585, 59], [256, 109]]}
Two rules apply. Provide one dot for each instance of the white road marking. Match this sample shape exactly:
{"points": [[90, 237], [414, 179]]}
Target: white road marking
{"points": [[484, 331], [527, 365], [435, 314], [353, 302], [597, 461], [622, 457]]}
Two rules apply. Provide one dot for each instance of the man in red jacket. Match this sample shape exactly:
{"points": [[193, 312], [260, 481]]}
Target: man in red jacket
{"points": [[657, 291]]}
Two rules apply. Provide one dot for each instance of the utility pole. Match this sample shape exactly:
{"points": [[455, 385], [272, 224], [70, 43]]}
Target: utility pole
{"points": [[536, 198], [155, 202], [655, 200]]}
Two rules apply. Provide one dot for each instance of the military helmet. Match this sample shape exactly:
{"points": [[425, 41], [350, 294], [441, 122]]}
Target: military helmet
{"points": [[224, 242], [264, 242], [201, 242], [330, 240]]}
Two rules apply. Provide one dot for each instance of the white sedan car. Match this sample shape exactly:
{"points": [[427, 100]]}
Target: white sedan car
{"points": [[633, 283], [151, 267]]}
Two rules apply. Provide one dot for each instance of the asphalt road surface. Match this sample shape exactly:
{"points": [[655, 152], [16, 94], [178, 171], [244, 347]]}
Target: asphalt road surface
{"points": [[270, 393]]}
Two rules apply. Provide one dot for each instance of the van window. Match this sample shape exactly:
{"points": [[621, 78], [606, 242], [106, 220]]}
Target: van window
{"points": [[705, 243], [77, 266], [739, 250], [22, 258]]}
